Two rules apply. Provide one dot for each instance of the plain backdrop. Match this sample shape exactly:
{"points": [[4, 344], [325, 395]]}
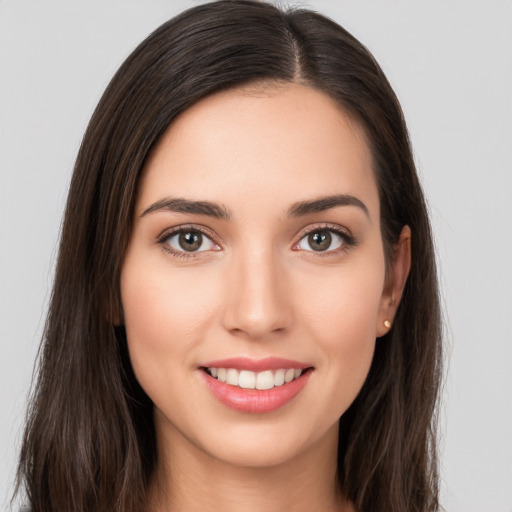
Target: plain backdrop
{"points": [[450, 63]]}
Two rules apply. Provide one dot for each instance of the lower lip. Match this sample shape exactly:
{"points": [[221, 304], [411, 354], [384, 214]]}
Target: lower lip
{"points": [[256, 401]]}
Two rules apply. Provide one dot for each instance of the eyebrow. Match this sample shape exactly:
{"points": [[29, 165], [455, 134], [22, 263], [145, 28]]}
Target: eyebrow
{"points": [[326, 203], [218, 211], [181, 205]]}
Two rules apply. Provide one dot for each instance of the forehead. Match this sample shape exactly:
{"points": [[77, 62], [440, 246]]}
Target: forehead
{"points": [[269, 145]]}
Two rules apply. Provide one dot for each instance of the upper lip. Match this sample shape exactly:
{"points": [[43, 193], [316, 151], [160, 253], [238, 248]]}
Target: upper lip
{"points": [[256, 365]]}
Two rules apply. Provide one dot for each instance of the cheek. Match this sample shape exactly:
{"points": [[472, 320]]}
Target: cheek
{"points": [[164, 310], [160, 300], [344, 304], [342, 318]]}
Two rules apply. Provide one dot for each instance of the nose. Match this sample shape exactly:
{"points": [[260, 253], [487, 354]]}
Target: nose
{"points": [[258, 304]]}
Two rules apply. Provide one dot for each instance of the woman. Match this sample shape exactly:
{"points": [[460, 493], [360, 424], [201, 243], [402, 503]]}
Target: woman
{"points": [[245, 310]]}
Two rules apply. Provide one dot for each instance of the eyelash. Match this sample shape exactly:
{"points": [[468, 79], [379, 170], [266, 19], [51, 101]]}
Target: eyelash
{"points": [[348, 240], [165, 237]]}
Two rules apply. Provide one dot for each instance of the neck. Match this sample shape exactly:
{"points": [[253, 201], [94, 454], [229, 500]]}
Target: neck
{"points": [[187, 479]]}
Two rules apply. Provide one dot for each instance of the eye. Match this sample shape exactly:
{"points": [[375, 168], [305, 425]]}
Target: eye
{"points": [[323, 240], [188, 241]]}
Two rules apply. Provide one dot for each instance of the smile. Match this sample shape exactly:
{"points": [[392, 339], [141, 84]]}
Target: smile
{"points": [[247, 379], [255, 386]]}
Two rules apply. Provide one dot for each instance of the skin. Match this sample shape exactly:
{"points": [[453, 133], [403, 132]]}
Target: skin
{"points": [[257, 290]]}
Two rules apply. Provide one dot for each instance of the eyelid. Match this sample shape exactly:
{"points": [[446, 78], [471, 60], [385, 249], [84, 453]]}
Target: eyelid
{"points": [[349, 240], [168, 233]]}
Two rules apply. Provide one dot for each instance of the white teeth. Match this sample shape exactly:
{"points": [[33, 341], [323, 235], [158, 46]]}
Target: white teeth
{"points": [[252, 380], [232, 377], [247, 379], [265, 380], [279, 378], [289, 375]]}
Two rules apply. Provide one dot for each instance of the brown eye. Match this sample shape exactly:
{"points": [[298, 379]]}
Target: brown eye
{"points": [[321, 241], [190, 240]]}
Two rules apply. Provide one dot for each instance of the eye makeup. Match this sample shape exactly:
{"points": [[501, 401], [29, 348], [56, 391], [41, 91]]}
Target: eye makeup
{"points": [[324, 233], [188, 241], [190, 235]]}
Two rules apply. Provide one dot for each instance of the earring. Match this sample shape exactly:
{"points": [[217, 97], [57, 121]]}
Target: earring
{"points": [[387, 324]]}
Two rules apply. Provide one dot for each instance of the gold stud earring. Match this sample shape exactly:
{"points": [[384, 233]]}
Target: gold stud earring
{"points": [[387, 324]]}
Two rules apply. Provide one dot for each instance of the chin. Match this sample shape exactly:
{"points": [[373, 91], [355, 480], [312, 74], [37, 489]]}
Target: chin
{"points": [[268, 444]]}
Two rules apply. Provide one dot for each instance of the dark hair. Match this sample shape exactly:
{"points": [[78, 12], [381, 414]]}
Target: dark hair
{"points": [[89, 443]]}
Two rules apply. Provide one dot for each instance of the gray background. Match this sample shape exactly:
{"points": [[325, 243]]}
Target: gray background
{"points": [[451, 65]]}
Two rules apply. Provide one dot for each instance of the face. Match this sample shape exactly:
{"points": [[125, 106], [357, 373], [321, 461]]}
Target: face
{"points": [[256, 258]]}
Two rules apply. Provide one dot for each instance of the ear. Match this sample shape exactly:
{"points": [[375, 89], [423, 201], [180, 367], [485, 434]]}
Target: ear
{"points": [[395, 282]]}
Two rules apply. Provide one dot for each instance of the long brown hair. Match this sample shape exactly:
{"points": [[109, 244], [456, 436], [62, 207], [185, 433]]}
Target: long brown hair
{"points": [[89, 443]]}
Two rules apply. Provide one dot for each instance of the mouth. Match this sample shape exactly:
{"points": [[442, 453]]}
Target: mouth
{"points": [[251, 386], [247, 379]]}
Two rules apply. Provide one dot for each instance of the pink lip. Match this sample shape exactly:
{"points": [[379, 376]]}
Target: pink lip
{"points": [[256, 365], [255, 401]]}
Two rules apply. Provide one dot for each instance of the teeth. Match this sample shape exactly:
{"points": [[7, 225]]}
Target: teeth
{"points": [[265, 380], [289, 375], [247, 379], [232, 377], [252, 380], [222, 374], [279, 378]]}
